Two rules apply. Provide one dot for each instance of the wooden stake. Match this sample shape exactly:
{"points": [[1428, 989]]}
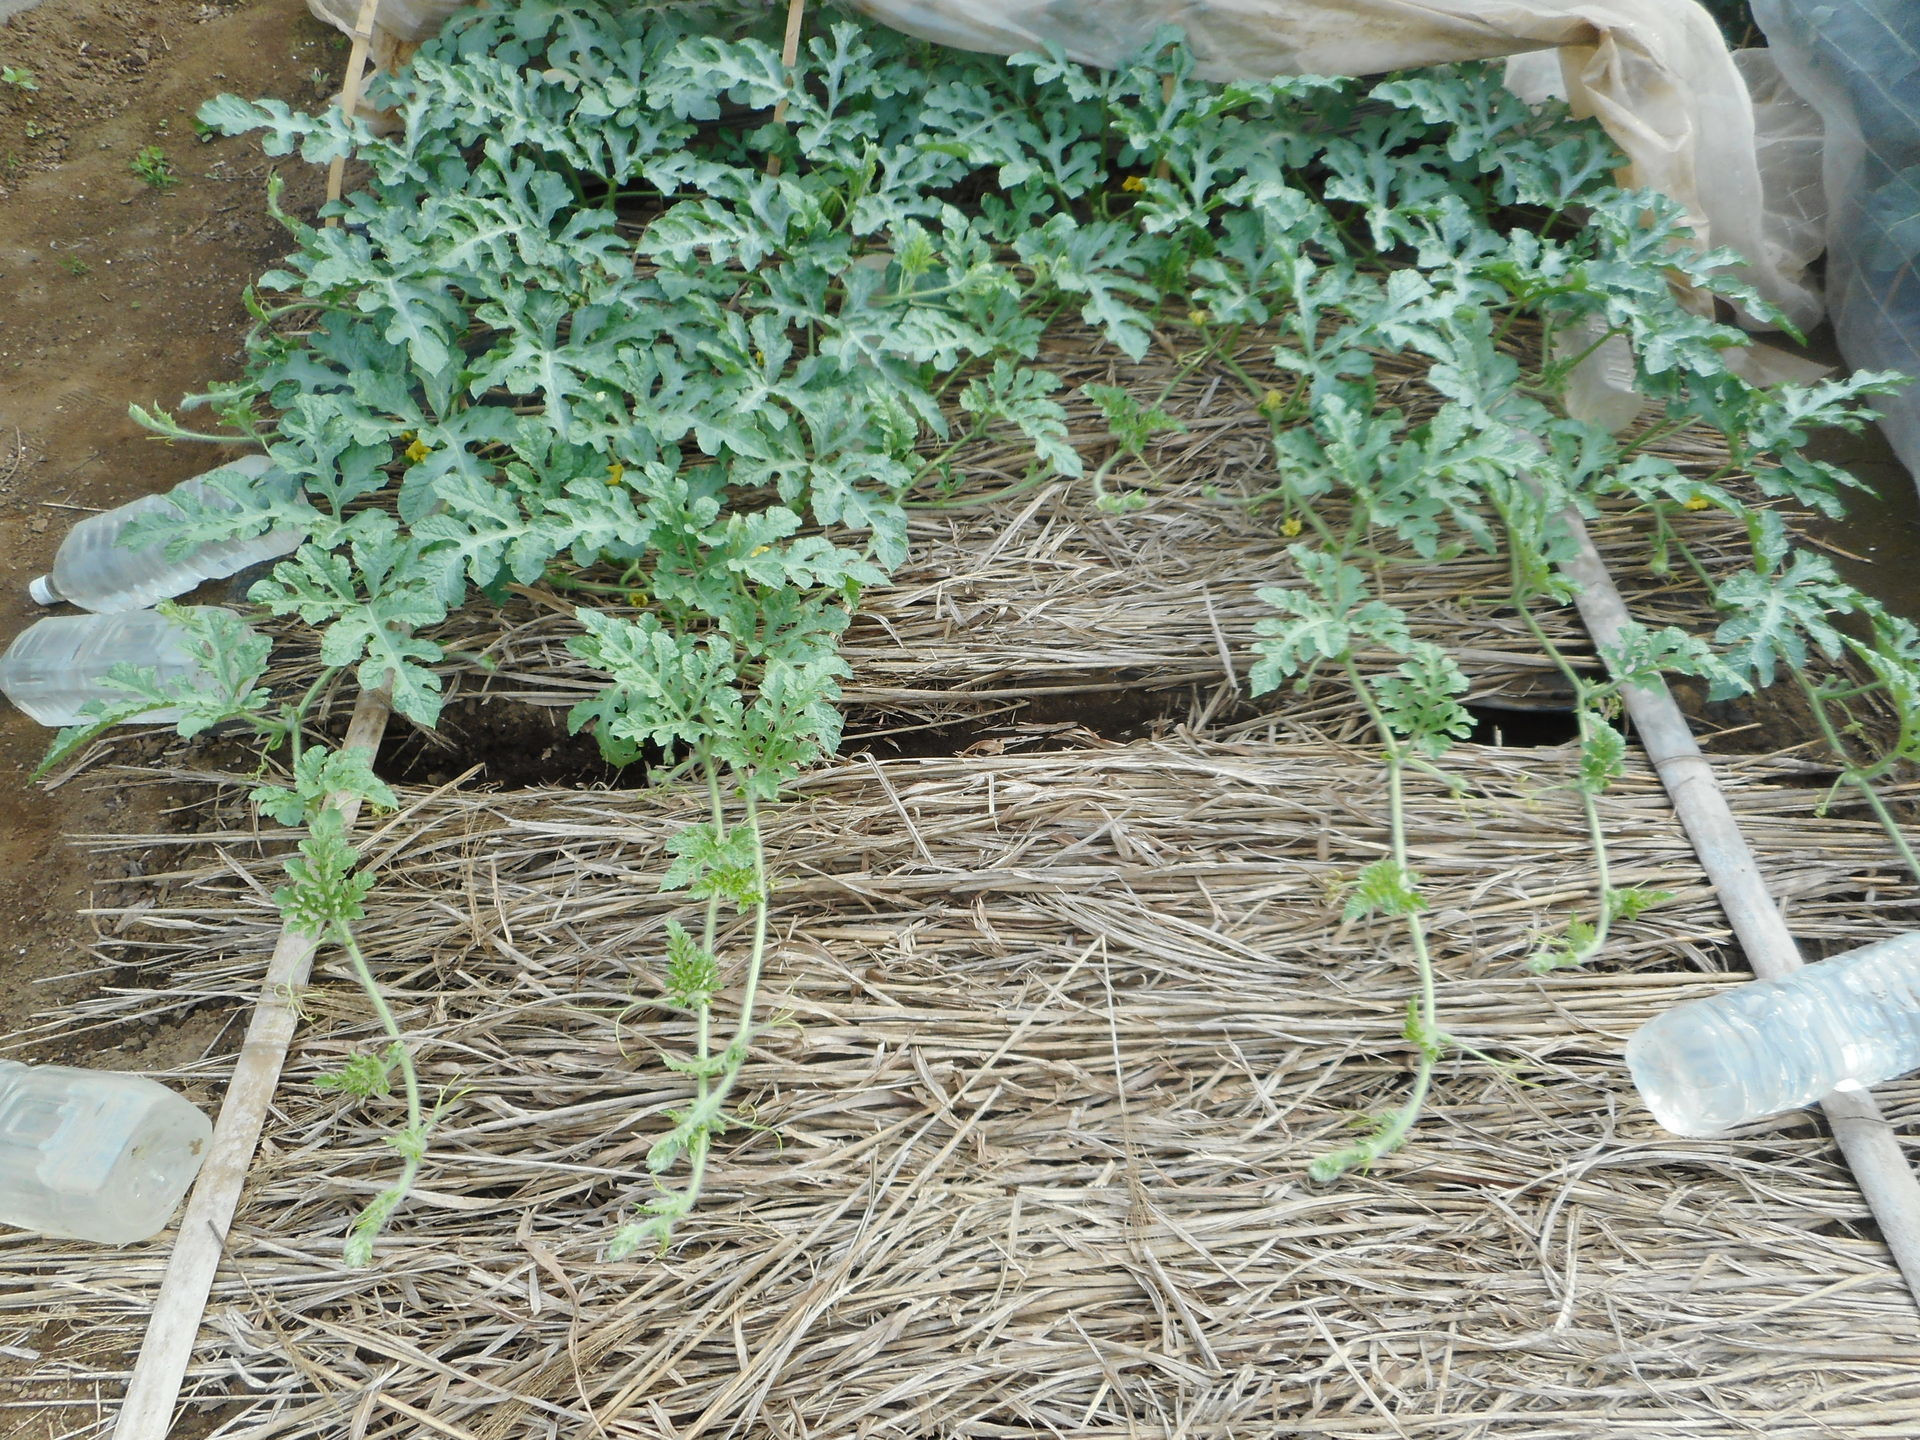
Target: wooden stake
{"points": [[350, 91], [147, 1411], [1885, 1178], [789, 57], [1163, 167], [160, 1369]]}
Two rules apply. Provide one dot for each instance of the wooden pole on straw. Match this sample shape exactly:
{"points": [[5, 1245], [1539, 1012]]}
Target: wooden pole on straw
{"points": [[1885, 1178], [147, 1412], [161, 1367], [789, 57], [350, 91]]}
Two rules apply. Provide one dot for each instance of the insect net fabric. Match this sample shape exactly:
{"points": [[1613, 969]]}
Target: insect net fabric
{"points": [[400, 27], [1858, 63], [1655, 73]]}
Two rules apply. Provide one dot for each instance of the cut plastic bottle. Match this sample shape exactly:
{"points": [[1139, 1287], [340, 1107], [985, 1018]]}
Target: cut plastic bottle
{"points": [[96, 572], [1600, 388], [1774, 1045], [57, 665], [94, 1154]]}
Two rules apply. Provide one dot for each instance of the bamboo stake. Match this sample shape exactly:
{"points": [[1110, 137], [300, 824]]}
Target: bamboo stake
{"points": [[789, 57], [1885, 1178], [350, 91], [1164, 167], [147, 1411]]}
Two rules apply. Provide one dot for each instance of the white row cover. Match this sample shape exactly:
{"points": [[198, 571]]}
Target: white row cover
{"points": [[1656, 73], [1858, 63]]}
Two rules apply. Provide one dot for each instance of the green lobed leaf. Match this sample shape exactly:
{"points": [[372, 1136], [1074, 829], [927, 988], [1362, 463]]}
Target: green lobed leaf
{"points": [[1383, 888], [710, 860]]}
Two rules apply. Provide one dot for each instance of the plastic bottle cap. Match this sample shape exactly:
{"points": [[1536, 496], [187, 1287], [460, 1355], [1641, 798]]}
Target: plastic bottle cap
{"points": [[42, 591]]}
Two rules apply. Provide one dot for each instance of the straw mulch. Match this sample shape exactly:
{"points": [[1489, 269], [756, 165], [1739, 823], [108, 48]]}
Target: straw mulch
{"points": [[1053, 1029], [1055, 1037]]}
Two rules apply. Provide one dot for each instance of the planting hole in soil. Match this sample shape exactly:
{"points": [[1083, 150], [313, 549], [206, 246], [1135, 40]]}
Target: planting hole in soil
{"points": [[1045, 722], [1523, 729], [518, 747]]}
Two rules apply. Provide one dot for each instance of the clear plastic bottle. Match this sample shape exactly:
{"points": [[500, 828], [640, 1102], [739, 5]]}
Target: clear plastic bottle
{"points": [[94, 1154], [1773, 1045], [1600, 388], [96, 572], [56, 665]]}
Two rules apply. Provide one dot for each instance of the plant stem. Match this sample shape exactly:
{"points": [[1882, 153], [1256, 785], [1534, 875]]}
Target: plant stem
{"points": [[1851, 773], [1423, 1013], [708, 1116], [287, 729], [981, 501], [1597, 840], [737, 1051], [1584, 695], [1589, 801], [362, 972], [703, 1020], [374, 1217]]}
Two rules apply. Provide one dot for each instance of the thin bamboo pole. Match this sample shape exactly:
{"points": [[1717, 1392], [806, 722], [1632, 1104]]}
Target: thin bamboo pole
{"points": [[1885, 1178], [158, 1372], [789, 57], [147, 1411], [350, 90]]}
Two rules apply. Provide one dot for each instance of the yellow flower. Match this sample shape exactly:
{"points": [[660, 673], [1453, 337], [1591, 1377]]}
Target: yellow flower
{"points": [[616, 472], [759, 551], [418, 451], [1198, 317], [1133, 184], [1273, 401], [1698, 502], [1290, 527], [636, 598]]}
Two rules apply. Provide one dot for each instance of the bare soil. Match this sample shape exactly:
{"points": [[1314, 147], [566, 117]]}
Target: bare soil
{"points": [[114, 290]]}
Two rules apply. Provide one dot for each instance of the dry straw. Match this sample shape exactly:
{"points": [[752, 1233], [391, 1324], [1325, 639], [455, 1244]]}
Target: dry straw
{"points": [[1058, 1033]]}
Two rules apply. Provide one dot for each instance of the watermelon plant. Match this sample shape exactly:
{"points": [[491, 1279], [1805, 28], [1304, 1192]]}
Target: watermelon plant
{"points": [[581, 330]]}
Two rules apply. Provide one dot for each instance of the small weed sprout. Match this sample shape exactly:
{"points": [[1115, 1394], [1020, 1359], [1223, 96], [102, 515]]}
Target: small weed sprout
{"points": [[18, 77], [74, 265], [152, 166]]}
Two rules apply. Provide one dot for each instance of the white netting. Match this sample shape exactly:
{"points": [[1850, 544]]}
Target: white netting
{"points": [[1858, 63]]}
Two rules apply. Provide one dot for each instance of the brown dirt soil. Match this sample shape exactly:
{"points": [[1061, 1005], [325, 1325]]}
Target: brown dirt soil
{"points": [[115, 291]]}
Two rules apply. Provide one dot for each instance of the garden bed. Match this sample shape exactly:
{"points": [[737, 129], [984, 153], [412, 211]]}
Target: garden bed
{"points": [[1066, 982], [1056, 1027]]}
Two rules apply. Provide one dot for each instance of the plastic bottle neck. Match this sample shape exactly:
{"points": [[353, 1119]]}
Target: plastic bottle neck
{"points": [[42, 591]]}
